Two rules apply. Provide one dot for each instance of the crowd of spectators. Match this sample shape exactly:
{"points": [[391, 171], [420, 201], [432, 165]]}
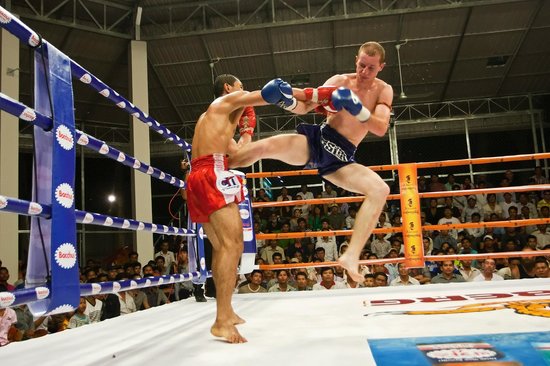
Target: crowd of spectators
{"points": [[482, 207], [18, 323]]}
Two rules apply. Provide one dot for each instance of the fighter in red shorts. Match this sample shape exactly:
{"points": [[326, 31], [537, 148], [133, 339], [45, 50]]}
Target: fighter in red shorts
{"points": [[213, 192]]}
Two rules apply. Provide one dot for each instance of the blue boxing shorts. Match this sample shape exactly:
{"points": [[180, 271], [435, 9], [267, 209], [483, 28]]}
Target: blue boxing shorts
{"points": [[329, 151]]}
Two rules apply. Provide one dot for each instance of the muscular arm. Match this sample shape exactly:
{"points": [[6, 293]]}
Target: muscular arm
{"points": [[239, 99], [304, 106], [380, 117]]}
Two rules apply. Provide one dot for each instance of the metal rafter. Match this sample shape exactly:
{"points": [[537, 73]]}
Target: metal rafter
{"points": [[518, 46], [343, 13], [85, 15], [457, 51]]}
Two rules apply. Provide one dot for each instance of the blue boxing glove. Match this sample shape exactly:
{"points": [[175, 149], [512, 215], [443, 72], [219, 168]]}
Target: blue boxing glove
{"points": [[279, 92], [343, 98]]}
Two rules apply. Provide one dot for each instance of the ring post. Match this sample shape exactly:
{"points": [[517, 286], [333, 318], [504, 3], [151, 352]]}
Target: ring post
{"points": [[52, 250], [410, 210], [248, 258], [201, 254]]}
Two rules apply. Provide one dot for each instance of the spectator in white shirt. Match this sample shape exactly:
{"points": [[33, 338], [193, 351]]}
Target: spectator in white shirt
{"points": [[404, 278], [488, 272], [328, 243]]}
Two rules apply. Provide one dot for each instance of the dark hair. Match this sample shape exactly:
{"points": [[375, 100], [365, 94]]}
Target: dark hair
{"points": [[133, 253], [369, 275], [282, 270], [256, 271], [376, 274], [319, 249], [324, 269], [220, 82], [147, 266], [276, 254], [300, 274]]}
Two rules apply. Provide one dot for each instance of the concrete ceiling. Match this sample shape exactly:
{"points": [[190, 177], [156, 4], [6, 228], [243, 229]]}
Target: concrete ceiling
{"points": [[449, 50]]}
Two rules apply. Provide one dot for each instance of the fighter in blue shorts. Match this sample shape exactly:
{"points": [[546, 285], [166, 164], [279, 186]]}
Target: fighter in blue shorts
{"points": [[356, 104]]}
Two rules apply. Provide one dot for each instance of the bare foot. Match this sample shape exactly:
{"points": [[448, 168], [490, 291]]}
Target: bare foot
{"points": [[227, 331], [237, 319], [352, 266]]}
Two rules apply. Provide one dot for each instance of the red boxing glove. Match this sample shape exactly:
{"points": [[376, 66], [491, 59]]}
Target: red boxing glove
{"points": [[321, 95], [247, 123]]}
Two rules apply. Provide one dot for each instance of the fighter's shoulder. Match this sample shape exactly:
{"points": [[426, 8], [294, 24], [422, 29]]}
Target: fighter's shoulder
{"points": [[339, 80], [382, 84]]}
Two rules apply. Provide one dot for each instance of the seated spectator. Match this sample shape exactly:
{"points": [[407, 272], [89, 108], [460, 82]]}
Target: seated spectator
{"points": [[428, 245], [296, 247], [506, 204], [79, 317], [277, 258], [168, 255], [284, 196], [94, 306], [488, 245], [305, 194], [511, 233], [127, 304], [391, 268], [327, 281], [314, 219], [4, 277], [471, 208], [335, 218], [435, 184], [369, 280], [380, 246], [542, 269], [273, 224], [433, 212], [543, 235], [511, 270], [8, 319], [544, 202], [449, 219], [422, 275], [320, 254], [293, 222], [538, 177], [510, 246], [160, 265], [302, 282], [444, 237], [328, 243], [25, 323], [456, 211], [254, 285], [488, 267], [282, 282], [380, 279], [350, 219], [404, 278], [492, 207], [284, 243], [447, 274], [267, 253]]}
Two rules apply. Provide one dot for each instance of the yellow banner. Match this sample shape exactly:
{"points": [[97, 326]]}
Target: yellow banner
{"points": [[410, 213]]}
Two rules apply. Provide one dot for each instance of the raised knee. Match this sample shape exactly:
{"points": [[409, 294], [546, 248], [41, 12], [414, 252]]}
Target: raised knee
{"points": [[384, 190]]}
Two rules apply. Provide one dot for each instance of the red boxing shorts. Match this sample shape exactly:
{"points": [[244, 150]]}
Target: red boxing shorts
{"points": [[210, 186]]}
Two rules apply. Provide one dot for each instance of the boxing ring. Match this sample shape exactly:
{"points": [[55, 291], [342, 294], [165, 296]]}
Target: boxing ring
{"points": [[52, 281], [504, 322], [507, 322]]}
